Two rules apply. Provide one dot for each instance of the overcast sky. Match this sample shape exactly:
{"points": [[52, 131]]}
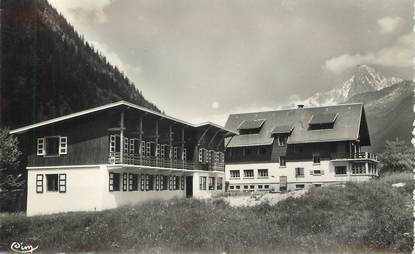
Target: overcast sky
{"points": [[200, 60]]}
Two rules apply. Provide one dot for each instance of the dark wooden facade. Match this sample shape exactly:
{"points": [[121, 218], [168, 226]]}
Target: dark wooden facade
{"points": [[88, 140]]}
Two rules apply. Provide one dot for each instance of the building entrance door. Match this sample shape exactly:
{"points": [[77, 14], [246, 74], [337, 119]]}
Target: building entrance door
{"points": [[283, 183], [189, 186]]}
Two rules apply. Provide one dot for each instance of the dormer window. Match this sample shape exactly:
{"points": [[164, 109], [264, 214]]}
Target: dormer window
{"points": [[251, 126], [322, 121], [282, 140]]}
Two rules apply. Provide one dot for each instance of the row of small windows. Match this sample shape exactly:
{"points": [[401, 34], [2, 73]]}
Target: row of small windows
{"points": [[211, 185], [135, 146], [249, 187], [54, 183], [144, 182], [210, 156], [249, 173], [52, 146]]}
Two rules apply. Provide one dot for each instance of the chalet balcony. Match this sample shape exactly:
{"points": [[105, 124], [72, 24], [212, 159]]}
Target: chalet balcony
{"points": [[361, 156], [159, 162]]}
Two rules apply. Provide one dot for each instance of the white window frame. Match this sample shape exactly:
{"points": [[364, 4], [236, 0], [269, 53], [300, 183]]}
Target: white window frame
{"points": [[175, 152], [63, 145], [184, 154], [132, 148]]}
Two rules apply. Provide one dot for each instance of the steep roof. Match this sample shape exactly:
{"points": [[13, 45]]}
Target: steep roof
{"points": [[251, 124], [124, 104], [348, 121]]}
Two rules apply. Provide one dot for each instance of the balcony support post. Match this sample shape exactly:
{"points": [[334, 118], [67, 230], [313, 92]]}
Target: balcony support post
{"points": [[182, 147], [156, 140], [122, 137], [171, 145], [140, 138]]}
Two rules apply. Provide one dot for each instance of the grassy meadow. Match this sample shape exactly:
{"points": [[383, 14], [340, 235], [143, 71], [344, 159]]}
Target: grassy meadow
{"points": [[367, 217]]}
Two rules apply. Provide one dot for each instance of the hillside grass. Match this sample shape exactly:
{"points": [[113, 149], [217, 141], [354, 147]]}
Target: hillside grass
{"points": [[364, 217]]}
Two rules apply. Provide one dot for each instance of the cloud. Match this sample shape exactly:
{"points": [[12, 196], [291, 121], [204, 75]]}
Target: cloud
{"points": [[389, 24], [92, 7], [400, 54]]}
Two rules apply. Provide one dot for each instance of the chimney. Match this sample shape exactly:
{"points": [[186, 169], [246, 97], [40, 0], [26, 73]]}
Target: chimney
{"points": [[300, 106]]}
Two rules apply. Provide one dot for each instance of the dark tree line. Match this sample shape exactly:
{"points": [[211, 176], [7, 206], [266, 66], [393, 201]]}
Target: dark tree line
{"points": [[48, 69]]}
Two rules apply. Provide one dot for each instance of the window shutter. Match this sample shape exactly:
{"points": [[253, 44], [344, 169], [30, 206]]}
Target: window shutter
{"points": [[163, 151], [200, 154], [322, 172], [112, 143], [170, 182], [132, 148], [39, 183], [147, 182], [174, 182], [41, 146], [124, 182], [125, 145], [142, 182], [62, 183], [111, 182], [63, 145], [157, 182], [157, 150], [143, 148], [182, 182], [130, 182], [175, 152], [148, 148], [184, 154], [161, 182]]}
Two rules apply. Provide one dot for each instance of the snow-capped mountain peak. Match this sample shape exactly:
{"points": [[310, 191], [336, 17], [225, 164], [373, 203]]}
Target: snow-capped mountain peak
{"points": [[364, 79]]}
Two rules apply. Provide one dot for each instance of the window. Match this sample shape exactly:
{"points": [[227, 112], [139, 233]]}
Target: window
{"points": [[259, 186], [248, 173], [231, 187], [126, 146], [219, 184], [52, 182], [266, 186], [340, 170], [39, 183], [143, 148], [235, 173], [317, 185], [177, 182], [283, 162], [252, 187], [246, 187], [124, 182], [358, 168], [148, 148], [211, 183], [114, 182], [52, 146], [114, 143], [299, 172], [316, 158], [202, 184], [165, 183], [282, 140], [150, 182], [317, 172], [133, 182], [299, 186], [238, 187], [62, 183], [262, 173]]}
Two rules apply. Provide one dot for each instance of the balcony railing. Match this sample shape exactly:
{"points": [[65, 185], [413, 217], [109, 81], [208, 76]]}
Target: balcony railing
{"points": [[152, 161], [354, 156]]}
